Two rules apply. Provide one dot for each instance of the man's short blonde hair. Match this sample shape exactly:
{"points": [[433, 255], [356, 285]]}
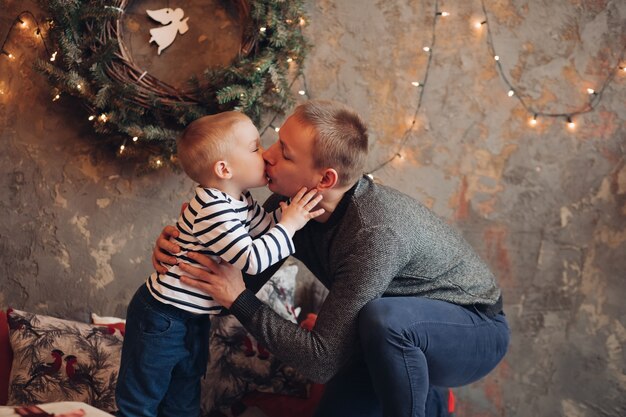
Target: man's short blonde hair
{"points": [[341, 138], [205, 141]]}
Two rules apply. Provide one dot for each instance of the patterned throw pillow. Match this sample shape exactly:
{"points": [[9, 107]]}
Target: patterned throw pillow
{"points": [[239, 364], [61, 360]]}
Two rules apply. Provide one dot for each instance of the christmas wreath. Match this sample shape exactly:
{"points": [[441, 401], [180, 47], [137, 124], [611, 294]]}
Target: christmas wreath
{"points": [[139, 115]]}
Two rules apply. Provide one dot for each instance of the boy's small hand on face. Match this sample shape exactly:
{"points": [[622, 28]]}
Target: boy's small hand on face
{"points": [[296, 214]]}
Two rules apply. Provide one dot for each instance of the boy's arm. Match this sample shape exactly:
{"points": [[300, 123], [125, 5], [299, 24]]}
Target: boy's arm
{"points": [[262, 220], [224, 235]]}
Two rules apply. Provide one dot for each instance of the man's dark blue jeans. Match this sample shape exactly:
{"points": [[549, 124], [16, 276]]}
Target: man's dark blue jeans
{"points": [[410, 345], [164, 357]]}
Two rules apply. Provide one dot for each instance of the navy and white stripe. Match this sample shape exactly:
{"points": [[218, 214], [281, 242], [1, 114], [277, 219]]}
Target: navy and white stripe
{"points": [[237, 231]]}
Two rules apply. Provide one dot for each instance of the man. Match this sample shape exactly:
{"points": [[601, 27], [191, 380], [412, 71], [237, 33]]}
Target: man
{"points": [[410, 304]]}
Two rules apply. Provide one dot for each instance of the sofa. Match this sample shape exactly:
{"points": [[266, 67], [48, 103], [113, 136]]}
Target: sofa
{"points": [[46, 359]]}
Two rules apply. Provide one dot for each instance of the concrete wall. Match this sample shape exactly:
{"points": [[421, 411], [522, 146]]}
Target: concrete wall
{"points": [[546, 207]]}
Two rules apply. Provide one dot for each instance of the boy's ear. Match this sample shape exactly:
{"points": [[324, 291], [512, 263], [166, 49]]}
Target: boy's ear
{"points": [[329, 179], [222, 170]]}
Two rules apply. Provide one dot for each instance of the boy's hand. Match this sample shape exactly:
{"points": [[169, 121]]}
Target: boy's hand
{"points": [[298, 212]]}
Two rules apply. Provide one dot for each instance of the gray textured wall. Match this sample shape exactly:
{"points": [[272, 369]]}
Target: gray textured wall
{"points": [[545, 207]]}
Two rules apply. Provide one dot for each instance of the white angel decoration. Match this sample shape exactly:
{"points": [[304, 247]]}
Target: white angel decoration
{"points": [[164, 36]]}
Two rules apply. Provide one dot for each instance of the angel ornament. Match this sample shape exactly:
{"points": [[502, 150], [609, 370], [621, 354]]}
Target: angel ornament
{"points": [[165, 35]]}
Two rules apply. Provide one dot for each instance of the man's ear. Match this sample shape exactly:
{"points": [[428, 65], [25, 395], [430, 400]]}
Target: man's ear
{"points": [[222, 170], [330, 178]]}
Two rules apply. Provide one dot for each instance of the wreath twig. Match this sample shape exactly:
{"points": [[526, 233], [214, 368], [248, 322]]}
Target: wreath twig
{"points": [[140, 115]]}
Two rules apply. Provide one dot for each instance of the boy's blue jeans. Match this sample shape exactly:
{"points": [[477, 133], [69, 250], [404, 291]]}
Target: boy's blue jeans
{"points": [[410, 345], [164, 356]]}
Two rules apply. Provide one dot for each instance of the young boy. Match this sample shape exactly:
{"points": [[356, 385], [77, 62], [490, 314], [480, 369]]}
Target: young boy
{"points": [[166, 347]]}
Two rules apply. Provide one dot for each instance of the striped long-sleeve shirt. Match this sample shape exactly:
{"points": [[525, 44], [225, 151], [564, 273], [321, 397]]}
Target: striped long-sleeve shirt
{"points": [[237, 231]]}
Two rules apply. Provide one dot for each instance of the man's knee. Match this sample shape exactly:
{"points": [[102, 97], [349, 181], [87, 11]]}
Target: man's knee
{"points": [[375, 320]]}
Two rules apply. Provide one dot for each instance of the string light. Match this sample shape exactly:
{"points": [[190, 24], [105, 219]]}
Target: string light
{"points": [[22, 22], [103, 118], [55, 98], [53, 57], [409, 130], [135, 138], [277, 129], [302, 21], [122, 148], [262, 29], [479, 25], [302, 92], [289, 59], [595, 96], [91, 117], [570, 123], [444, 14]]}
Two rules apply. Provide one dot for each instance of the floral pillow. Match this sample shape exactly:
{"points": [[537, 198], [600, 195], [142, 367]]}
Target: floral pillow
{"points": [[239, 364], [61, 360]]}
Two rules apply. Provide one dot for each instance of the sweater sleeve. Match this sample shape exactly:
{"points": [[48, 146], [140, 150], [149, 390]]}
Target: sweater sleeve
{"points": [[262, 221], [361, 276], [226, 236]]}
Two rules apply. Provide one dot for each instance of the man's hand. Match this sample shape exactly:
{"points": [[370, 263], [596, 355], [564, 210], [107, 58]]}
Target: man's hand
{"points": [[222, 281], [298, 212], [161, 254]]}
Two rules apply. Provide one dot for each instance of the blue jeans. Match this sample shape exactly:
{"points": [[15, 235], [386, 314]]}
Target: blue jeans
{"points": [[164, 356], [411, 346]]}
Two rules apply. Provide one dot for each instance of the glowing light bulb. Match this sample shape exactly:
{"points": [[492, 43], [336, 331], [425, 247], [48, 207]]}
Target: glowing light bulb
{"points": [[302, 21], [122, 148], [444, 14], [426, 49], [262, 29], [135, 138], [511, 93], [479, 25], [497, 58], [103, 117], [277, 129], [22, 22], [289, 59], [302, 92], [92, 117], [570, 123], [533, 121], [53, 57], [79, 86], [591, 91], [158, 162], [55, 98], [415, 84]]}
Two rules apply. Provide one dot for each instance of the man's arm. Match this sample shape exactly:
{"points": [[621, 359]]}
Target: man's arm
{"points": [[319, 354]]}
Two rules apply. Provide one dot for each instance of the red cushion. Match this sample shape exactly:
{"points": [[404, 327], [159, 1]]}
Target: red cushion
{"points": [[6, 358], [278, 405]]}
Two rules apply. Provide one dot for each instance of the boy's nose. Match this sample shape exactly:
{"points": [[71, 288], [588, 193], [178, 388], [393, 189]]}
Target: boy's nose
{"points": [[267, 156]]}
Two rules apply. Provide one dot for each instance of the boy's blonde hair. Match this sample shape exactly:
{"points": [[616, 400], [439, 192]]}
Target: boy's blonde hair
{"points": [[205, 141], [341, 138]]}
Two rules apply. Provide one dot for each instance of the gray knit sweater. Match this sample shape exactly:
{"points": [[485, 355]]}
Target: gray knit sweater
{"points": [[377, 242]]}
